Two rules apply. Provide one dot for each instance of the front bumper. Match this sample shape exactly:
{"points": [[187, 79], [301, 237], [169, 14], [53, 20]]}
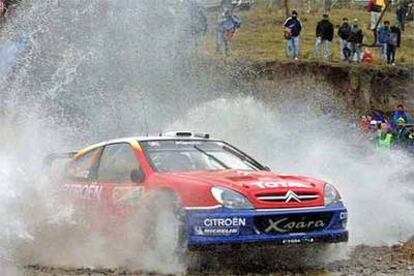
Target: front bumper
{"points": [[223, 226]]}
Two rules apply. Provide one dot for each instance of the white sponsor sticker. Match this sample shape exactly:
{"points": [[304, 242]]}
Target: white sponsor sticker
{"points": [[202, 231], [296, 241], [270, 185], [282, 226], [224, 222]]}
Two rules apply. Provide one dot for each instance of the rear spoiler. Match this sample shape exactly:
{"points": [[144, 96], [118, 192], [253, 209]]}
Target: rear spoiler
{"points": [[49, 159]]}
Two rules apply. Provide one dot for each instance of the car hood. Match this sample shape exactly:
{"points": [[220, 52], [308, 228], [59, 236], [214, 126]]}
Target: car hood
{"points": [[264, 189]]}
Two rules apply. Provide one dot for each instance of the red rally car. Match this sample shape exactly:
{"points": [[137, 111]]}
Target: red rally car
{"points": [[218, 194]]}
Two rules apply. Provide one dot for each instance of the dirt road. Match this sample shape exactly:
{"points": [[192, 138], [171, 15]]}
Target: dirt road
{"points": [[363, 260]]}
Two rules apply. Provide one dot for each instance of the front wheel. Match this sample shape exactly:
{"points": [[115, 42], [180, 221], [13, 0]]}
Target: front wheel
{"points": [[166, 232]]}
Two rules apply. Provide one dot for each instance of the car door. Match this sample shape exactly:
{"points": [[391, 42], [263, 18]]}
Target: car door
{"points": [[80, 179], [121, 177]]}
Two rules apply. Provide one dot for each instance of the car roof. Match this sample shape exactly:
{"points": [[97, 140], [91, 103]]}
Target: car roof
{"points": [[141, 139]]}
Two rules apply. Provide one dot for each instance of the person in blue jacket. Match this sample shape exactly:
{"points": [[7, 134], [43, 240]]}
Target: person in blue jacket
{"points": [[227, 25], [383, 34], [398, 114], [292, 29]]}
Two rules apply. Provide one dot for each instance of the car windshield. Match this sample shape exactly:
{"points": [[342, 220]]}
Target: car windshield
{"points": [[192, 155]]}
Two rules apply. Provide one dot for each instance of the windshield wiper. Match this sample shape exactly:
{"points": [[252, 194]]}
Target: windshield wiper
{"points": [[211, 157], [244, 158]]}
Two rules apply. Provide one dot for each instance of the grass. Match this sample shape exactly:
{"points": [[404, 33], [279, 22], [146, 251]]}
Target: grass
{"points": [[261, 36]]}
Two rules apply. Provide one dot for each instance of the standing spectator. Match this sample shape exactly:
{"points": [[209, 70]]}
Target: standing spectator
{"points": [[401, 13], [324, 37], [375, 8], [292, 29], [383, 34], [393, 43], [355, 41], [344, 32], [227, 25]]}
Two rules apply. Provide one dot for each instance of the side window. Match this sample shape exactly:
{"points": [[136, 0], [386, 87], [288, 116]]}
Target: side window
{"points": [[82, 167], [117, 163]]}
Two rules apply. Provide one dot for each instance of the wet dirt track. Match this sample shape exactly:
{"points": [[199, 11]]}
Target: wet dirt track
{"points": [[364, 260]]}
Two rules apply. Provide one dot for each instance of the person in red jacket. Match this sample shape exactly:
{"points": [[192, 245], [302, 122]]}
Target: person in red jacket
{"points": [[366, 56]]}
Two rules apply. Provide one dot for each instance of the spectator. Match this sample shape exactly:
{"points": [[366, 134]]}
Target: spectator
{"points": [[324, 37], [401, 13], [393, 43], [355, 41], [400, 132], [292, 29], [344, 32], [384, 137], [383, 34], [375, 8], [397, 114], [197, 22], [227, 25], [378, 116], [366, 55], [410, 139], [363, 124]]}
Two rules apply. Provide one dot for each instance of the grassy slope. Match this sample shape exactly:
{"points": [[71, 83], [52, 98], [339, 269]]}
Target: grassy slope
{"points": [[261, 37]]}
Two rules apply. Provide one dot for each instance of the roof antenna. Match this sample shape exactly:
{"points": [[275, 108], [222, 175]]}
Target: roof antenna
{"points": [[144, 108]]}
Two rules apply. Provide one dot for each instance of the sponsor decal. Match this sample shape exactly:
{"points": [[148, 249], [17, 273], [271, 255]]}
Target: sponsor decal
{"points": [[283, 225], [188, 142], [84, 191], [296, 241], [220, 226], [224, 222], [203, 231], [270, 185]]}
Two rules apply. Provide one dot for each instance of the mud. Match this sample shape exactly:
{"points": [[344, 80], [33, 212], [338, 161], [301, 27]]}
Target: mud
{"points": [[362, 260]]}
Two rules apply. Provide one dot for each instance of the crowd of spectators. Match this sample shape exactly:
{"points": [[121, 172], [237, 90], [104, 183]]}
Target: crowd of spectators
{"points": [[351, 37], [393, 131], [352, 42]]}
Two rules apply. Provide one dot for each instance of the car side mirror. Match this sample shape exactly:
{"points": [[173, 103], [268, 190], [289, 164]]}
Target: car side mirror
{"points": [[137, 176]]}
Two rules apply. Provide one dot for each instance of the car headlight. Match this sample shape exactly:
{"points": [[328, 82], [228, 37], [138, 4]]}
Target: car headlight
{"points": [[331, 195], [230, 199]]}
